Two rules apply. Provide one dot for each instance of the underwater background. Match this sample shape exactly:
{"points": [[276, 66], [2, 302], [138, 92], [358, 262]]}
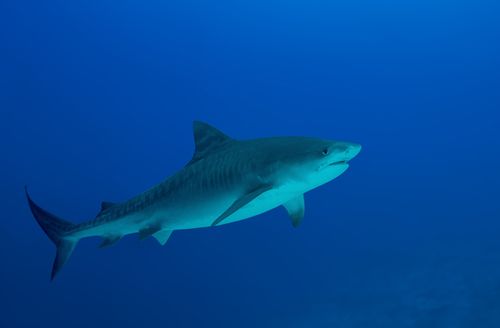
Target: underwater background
{"points": [[97, 99]]}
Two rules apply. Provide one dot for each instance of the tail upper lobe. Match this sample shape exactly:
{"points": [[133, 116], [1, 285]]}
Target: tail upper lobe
{"points": [[57, 230]]}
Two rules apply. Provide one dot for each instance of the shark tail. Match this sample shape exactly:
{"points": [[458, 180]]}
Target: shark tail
{"points": [[58, 231]]}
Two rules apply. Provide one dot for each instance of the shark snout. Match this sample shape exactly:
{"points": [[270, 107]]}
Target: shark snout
{"points": [[344, 152], [351, 150]]}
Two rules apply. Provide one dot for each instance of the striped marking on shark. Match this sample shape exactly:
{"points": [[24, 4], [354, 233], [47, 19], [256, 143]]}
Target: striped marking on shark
{"points": [[227, 180]]}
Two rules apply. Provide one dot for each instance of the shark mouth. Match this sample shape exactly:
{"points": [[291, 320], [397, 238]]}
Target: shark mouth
{"points": [[338, 163]]}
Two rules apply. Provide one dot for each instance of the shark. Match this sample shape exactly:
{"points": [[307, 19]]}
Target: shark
{"points": [[227, 180]]}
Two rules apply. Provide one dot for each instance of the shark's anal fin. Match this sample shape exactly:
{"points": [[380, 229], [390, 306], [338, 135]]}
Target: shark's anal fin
{"points": [[109, 241], [148, 231], [242, 201], [295, 208], [162, 236]]}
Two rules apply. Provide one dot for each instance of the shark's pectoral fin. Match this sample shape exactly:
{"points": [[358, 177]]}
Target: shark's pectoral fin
{"points": [[162, 236], [148, 231], [242, 201], [109, 241], [295, 208]]}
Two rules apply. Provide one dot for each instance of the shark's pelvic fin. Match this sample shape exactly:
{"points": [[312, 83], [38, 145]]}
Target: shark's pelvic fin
{"points": [[242, 201], [148, 231], [295, 208], [162, 236], [207, 139], [57, 230], [109, 241]]}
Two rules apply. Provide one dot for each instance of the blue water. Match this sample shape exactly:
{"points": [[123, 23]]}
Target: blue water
{"points": [[96, 103]]}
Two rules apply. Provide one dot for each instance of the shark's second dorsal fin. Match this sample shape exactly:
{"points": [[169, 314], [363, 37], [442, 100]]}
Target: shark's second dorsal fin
{"points": [[207, 139], [106, 205]]}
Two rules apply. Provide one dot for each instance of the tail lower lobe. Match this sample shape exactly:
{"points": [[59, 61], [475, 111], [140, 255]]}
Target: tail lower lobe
{"points": [[57, 230]]}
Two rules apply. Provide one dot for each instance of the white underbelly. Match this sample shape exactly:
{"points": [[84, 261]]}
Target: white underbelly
{"points": [[266, 202], [203, 214]]}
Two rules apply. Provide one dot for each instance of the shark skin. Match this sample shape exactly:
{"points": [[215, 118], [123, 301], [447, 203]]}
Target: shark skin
{"points": [[227, 180]]}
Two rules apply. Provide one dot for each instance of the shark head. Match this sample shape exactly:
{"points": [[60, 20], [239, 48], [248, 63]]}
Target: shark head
{"points": [[303, 163], [309, 162]]}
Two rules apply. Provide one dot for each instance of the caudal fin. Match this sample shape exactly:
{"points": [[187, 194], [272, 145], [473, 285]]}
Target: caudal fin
{"points": [[57, 230]]}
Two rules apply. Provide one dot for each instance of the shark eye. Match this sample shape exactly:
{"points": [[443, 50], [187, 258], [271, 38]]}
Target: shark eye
{"points": [[325, 151]]}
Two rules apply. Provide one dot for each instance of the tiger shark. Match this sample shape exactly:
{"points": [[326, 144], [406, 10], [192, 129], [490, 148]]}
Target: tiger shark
{"points": [[227, 180]]}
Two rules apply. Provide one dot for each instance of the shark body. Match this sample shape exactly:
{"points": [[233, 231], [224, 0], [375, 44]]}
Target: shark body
{"points": [[227, 180]]}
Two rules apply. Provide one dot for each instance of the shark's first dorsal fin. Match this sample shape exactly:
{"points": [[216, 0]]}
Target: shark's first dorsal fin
{"points": [[207, 139]]}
